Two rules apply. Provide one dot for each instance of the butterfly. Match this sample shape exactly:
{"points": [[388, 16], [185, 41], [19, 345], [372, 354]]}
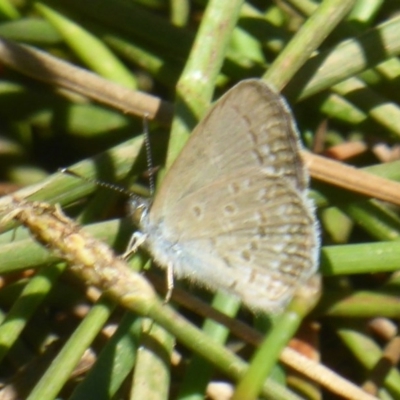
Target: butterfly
{"points": [[233, 211]]}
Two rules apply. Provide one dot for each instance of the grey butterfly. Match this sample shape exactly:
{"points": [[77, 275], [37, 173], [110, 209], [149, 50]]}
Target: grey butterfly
{"points": [[232, 212]]}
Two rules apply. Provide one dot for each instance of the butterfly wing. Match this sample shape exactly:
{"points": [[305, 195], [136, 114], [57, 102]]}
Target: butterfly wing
{"points": [[232, 211], [251, 234], [250, 125]]}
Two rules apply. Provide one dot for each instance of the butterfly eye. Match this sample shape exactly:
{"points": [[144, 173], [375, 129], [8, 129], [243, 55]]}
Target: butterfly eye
{"points": [[138, 209]]}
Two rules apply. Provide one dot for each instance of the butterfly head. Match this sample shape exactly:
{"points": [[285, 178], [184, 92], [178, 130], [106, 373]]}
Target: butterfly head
{"points": [[138, 209]]}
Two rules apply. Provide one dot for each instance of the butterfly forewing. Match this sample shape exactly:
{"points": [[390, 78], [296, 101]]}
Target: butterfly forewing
{"points": [[249, 126]]}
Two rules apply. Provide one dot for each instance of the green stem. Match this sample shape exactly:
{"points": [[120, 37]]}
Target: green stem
{"points": [[306, 41], [196, 85]]}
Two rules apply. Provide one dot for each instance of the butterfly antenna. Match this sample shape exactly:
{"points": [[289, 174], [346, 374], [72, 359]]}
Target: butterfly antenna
{"points": [[106, 185], [148, 152]]}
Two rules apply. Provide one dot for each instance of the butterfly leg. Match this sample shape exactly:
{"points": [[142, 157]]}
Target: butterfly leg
{"points": [[170, 282], [136, 240]]}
